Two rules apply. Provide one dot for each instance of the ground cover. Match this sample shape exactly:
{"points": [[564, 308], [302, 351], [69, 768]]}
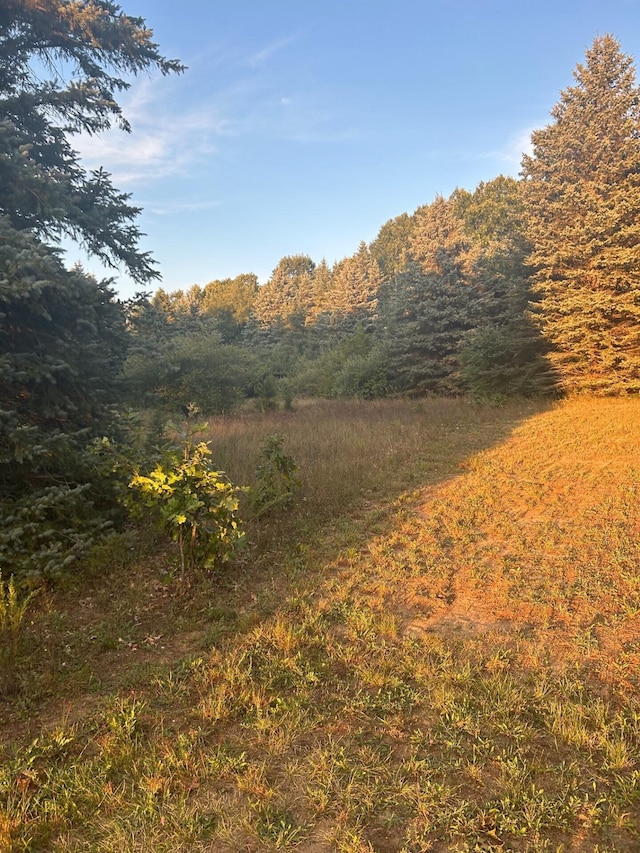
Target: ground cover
{"points": [[436, 649]]}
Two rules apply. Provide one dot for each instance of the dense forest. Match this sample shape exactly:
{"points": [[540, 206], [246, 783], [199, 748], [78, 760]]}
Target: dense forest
{"points": [[517, 287]]}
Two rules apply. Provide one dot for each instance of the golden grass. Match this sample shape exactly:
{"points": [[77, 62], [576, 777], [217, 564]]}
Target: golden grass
{"points": [[437, 649]]}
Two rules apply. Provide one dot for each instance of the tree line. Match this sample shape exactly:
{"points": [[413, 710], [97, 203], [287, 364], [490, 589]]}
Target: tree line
{"points": [[438, 303], [521, 286]]}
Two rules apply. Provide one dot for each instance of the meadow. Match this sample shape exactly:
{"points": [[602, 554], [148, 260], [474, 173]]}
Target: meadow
{"points": [[435, 648]]}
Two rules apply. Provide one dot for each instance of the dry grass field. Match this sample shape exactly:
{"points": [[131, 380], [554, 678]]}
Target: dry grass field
{"points": [[437, 648]]}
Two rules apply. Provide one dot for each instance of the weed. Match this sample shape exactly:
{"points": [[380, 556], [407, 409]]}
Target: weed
{"points": [[13, 608], [276, 826], [276, 477]]}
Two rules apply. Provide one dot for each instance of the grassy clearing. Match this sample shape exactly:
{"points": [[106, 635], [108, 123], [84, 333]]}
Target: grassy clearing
{"points": [[437, 649]]}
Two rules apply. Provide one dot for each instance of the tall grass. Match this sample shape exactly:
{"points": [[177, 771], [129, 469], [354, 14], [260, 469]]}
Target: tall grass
{"points": [[350, 450], [463, 678]]}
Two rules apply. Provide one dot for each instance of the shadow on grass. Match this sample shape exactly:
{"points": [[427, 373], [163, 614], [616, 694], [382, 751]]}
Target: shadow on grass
{"points": [[112, 630]]}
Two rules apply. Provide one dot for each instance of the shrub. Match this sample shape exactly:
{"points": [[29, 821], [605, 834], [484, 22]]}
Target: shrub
{"points": [[276, 477], [197, 506]]}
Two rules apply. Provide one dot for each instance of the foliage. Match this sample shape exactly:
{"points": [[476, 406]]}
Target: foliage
{"points": [[281, 342], [62, 337], [86, 47], [504, 352], [276, 477], [582, 198], [288, 291], [179, 353], [13, 608], [423, 317], [233, 295], [363, 376], [354, 367], [355, 284], [391, 248], [494, 361], [220, 306], [264, 391], [50, 530], [62, 344], [426, 310], [172, 369], [197, 505]]}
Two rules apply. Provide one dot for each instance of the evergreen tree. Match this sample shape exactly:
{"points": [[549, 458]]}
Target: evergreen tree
{"points": [[582, 196], [391, 248], [62, 333], [428, 308], [288, 292], [422, 321], [503, 353], [322, 293], [86, 48], [62, 344], [354, 294], [233, 295]]}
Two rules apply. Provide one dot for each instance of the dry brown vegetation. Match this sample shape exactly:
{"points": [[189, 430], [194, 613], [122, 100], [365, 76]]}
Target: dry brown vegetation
{"points": [[436, 649]]}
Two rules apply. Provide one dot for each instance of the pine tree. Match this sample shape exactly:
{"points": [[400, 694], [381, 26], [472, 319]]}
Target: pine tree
{"points": [[62, 339], [503, 354], [582, 197], [428, 308], [87, 48]]}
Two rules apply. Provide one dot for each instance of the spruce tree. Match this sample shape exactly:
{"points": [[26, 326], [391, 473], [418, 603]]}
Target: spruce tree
{"points": [[62, 65], [354, 294], [391, 248], [428, 308], [288, 293], [582, 198], [62, 343], [503, 354]]}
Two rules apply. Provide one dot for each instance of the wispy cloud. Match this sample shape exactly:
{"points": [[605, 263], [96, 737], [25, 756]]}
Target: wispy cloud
{"points": [[165, 141], [178, 206], [175, 129], [517, 144], [296, 117], [508, 156], [261, 56]]}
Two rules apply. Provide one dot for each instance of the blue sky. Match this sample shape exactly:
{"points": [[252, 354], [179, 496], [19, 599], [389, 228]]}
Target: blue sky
{"points": [[303, 127]]}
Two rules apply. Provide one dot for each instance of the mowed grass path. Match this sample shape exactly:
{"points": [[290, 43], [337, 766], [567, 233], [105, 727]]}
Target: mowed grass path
{"points": [[437, 649]]}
